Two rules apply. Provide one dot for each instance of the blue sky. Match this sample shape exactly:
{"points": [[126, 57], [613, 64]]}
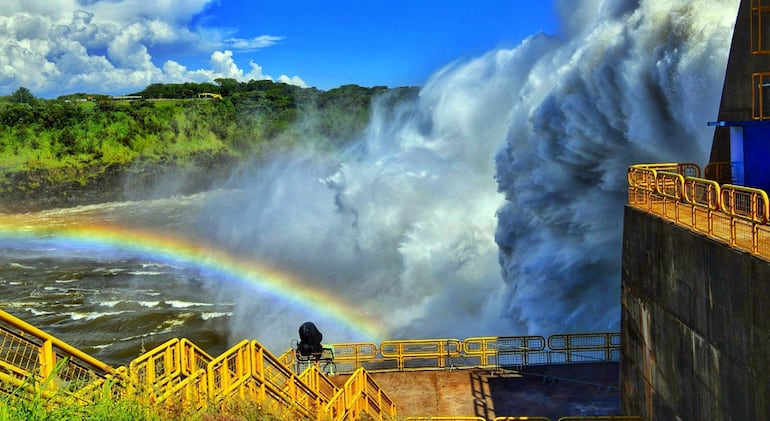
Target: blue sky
{"points": [[379, 41], [120, 46]]}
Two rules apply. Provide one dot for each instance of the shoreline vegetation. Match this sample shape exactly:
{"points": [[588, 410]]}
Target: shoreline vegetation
{"points": [[88, 148]]}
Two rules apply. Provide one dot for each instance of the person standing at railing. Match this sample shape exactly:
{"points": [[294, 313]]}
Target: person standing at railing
{"points": [[310, 341]]}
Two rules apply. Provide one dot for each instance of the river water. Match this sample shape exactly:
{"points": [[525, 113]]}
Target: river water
{"points": [[104, 296]]}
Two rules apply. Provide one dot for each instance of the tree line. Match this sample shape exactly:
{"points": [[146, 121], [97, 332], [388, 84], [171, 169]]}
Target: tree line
{"points": [[170, 122]]}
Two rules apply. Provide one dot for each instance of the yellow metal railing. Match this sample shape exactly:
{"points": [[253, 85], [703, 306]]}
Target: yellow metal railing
{"points": [[760, 82], [420, 354], [157, 370], [350, 356], [30, 357], [586, 347], [735, 215], [193, 358], [490, 352], [280, 384], [360, 395], [745, 202], [229, 373], [172, 373], [317, 381]]}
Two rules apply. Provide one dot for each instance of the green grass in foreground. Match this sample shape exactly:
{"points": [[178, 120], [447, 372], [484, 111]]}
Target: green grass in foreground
{"points": [[105, 408], [28, 402]]}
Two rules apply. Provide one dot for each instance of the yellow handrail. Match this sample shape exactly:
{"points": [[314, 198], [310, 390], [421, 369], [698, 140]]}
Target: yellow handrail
{"points": [[317, 381], [47, 357], [421, 353], [736, 215], [670, 185], [360, 395], [702, 192], [193, 357], [280, 383], [229, 372], [745, 202]]}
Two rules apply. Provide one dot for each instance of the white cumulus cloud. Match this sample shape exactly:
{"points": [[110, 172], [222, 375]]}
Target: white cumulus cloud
{"points": [[61, 47], [253, 43]]}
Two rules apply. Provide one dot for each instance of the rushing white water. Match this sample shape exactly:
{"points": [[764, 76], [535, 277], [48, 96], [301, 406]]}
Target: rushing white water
{"points": [[512, 163], [637, 82]]}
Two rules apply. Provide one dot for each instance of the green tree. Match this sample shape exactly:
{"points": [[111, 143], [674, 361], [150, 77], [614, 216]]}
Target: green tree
{"points": [[23, 96], [227, 86]]}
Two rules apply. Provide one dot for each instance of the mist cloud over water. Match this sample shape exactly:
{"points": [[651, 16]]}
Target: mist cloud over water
{"points": [[492, 204]]}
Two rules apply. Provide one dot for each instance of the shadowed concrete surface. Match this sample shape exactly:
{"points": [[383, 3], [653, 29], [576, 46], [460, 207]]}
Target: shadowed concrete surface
{"points": [[695, 325], [548, 391]]}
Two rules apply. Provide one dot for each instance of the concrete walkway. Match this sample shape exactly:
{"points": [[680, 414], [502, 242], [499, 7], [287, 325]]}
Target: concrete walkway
{"points": [[547, 391]]}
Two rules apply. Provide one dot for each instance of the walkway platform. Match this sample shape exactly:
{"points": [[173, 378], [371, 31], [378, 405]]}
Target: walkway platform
{"points": [[548, 391]]}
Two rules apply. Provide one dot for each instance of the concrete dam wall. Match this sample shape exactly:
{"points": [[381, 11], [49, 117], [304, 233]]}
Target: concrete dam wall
{"points": [[695, 325]]}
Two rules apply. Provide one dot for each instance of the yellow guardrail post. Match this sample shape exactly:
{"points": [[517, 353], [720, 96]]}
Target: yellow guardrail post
{"points": [[47, 359], [258, 369]]}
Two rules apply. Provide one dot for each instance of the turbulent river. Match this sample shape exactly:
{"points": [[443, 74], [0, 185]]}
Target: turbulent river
{"points": [[105, 297]]}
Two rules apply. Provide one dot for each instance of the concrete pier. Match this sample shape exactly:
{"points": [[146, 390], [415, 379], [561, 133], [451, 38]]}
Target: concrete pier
{"points": [[695, 325]]}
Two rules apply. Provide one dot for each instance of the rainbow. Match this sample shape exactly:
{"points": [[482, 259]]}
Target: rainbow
{"points": [[209, 259]]}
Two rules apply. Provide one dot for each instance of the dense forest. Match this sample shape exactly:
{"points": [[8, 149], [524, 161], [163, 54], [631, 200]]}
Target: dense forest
{"points": [[47, 145]]}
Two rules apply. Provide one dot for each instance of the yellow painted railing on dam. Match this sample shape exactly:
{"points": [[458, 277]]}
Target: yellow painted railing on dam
{"points": [[735, 215], [480, 352]]}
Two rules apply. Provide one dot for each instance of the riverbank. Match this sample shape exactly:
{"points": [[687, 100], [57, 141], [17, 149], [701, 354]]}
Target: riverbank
{"points": [[37, 190]]}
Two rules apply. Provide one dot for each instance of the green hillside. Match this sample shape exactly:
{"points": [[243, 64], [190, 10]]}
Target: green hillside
{"points": [[76, 138]]}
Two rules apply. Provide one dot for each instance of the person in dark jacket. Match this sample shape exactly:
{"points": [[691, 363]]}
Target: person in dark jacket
{"points": [[310, 341]]}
